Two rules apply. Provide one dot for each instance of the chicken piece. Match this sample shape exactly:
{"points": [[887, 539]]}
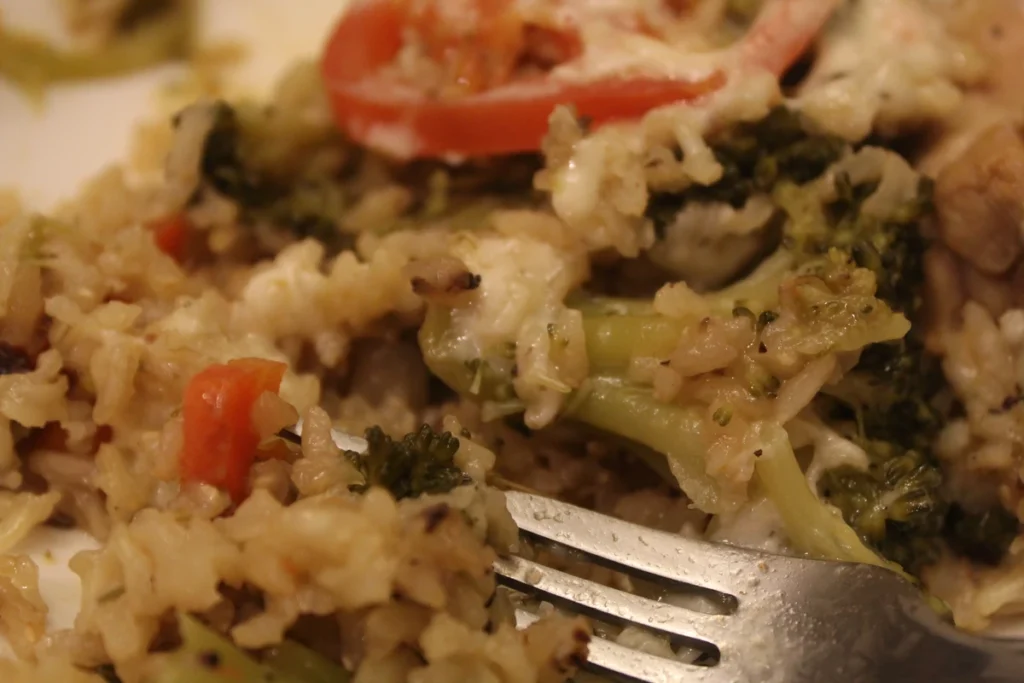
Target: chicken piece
{"points": [[996, 29], [979, 199]]}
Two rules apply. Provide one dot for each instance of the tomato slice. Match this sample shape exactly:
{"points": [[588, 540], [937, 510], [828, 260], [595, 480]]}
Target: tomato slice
{"points": [[379, 111], [220, 440]]}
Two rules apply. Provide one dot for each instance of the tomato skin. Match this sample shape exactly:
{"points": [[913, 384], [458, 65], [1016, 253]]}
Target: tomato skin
{"points": [[171, 235], [219, 439], [499, 121], [402, 120]]}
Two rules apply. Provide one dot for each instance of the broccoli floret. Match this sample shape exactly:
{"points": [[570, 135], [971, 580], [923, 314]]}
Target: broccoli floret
{"points": [[420, 463], [890, 246], [206, 656], [308, 206], [812, 527], [896, 505], [754, 158], [779, 158], [893, 391], [617, 332], [983, 537], [845, 271]]}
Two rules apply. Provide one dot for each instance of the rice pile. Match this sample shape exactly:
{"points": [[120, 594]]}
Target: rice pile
{"points": [[101, 331]]}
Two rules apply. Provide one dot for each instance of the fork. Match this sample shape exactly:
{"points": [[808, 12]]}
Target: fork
{"points": [[785, 619]]}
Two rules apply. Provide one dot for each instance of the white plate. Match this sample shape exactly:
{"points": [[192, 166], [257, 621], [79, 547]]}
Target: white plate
{"points": [[47, 151]]}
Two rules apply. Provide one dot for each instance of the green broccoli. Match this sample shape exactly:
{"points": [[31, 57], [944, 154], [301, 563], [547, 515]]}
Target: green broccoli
{"points": [[307, 206], [616, 332], [811, 526], [890, 246], [779, 158], [896, 505], [205, 656], [420, 463], [754, 158], [984, 537], [846, 274]]}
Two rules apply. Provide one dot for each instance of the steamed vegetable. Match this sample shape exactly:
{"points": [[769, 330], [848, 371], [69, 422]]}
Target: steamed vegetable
{"points": [[826, 313], [811, 526], [897, 505], [494, 95], [306, 204], [755, 157], [421, 463], [171, 235], [147, 40], [868, 206], [208, 657], [846, 267], [219, 439]]}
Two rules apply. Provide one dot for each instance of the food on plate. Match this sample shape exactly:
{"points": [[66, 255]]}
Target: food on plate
{"points": [[743, 271]]}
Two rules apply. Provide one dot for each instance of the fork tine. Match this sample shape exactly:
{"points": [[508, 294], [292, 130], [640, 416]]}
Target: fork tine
{"points": [[606, 656], [628, 546], [582, 595]]}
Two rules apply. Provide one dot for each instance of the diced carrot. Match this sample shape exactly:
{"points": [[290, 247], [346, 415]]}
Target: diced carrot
{"points": [[220, 440], [171, 235]]}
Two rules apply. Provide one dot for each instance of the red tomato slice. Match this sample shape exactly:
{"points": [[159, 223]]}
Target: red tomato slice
{"points": [[219, 438], [380, 112]]}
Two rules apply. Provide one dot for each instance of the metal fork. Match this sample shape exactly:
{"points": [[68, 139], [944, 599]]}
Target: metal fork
{"points": [[787, 620]]}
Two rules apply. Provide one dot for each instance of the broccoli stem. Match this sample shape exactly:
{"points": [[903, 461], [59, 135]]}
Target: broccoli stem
{"points": [[438, 345], [812, 527], [208, 657], [302, 664], [607, 403], [619, 330], [633, 412], [613, 341], [33, 64]]}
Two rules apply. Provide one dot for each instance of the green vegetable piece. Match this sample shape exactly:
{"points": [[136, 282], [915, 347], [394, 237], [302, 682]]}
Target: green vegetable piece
{"points": [[983, 537], [896, 506], [150, 39], [675, 431], [892, 246], [421, 463], [305, 206], [299, 663], [208, 657], [811, 526], [754, 157]]}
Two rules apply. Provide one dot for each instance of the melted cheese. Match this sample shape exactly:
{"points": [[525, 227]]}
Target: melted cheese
{"points": [[830, 449], [885, 64]]}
